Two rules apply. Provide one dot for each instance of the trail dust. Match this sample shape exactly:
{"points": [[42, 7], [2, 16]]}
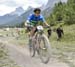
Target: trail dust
{"points": [[21, 56]]}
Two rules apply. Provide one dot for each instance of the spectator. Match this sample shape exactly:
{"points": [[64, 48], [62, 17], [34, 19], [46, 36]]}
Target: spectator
{"points": [[49, 31], [59, 32]]}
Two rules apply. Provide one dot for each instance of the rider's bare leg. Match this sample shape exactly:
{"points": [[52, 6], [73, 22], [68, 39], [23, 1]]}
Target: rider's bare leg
{"points": [[32, 32]]}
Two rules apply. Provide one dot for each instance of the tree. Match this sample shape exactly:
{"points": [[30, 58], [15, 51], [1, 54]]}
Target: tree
{"points": [[63, 12]]}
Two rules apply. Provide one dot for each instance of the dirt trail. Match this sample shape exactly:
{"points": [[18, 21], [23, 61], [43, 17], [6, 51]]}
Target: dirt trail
{"points": [[21, 56]]}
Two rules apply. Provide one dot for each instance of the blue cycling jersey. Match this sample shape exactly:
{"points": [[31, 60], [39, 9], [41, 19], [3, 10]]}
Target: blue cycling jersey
{"points": [[32, 17]]}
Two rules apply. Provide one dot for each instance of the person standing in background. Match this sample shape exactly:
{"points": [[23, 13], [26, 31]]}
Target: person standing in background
{"points": [[49, 31], [59, 32]]}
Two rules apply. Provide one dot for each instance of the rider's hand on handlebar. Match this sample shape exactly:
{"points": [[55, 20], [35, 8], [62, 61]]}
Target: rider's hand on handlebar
{"points": [[47, 26], [28, 25]]}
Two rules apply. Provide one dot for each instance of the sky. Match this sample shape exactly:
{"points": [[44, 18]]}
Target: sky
{"points": [[7, 6]]}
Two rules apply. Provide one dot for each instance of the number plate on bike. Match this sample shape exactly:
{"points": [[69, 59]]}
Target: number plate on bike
{"points": [[39, 27]]}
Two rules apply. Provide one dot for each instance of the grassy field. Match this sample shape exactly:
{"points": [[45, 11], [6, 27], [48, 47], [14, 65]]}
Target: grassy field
{"points": [[64, 50], [68, 40]]}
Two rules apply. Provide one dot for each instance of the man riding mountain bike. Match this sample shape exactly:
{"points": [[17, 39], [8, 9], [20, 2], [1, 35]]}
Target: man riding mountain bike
{"points": [[34, 19], [38, 41]]}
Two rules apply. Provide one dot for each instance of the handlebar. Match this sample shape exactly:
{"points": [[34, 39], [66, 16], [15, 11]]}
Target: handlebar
{"points": [[31, 25], [46, 26]]}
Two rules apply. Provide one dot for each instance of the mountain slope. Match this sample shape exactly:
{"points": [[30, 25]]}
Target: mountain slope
{"points": [[12, 18], [19, 16], [7, 18], [18, 11]]}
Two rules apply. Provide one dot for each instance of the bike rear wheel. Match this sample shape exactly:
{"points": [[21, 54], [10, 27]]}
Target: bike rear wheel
{"points": [[44, 48]]}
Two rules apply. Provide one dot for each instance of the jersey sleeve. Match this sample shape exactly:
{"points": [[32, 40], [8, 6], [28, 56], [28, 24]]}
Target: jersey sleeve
{"points": [[42, 18], [29, 18]]}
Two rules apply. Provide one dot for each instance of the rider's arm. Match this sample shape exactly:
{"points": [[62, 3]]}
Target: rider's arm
{"points": [[26, 23], [44, 21], [28, 20]]}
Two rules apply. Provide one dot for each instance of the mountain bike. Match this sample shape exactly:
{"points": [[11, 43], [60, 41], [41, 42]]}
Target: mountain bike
{"points": [[39, 43]]}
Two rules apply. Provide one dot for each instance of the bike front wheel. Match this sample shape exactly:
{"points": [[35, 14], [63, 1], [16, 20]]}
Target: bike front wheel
{"points": [[44, 48]]}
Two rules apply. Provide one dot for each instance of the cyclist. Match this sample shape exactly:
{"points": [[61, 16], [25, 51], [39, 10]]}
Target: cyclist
{"points": [[34, 19]]}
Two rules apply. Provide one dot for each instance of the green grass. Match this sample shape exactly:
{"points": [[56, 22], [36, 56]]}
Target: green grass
{"points": [[64, 50]]}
